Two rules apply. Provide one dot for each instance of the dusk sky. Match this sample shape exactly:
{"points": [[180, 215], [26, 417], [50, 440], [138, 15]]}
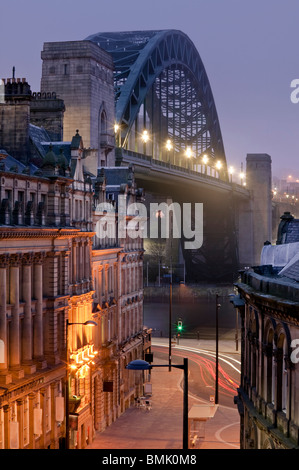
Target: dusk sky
{"points": [[249, 50]]}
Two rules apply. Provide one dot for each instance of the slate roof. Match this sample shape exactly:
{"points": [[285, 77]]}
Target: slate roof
{"points": [[38, 135], [292, 232], [56, 146], [10, 163], [282, 259], [291, 270], [115, 176]]}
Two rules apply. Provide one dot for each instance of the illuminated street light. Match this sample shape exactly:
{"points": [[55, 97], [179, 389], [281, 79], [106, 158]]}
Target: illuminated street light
{"points": [[189, 152], [205, 159], [231, 171], [218, 165], [145, 136], [169, 145], [116, 128], [242, 177]]}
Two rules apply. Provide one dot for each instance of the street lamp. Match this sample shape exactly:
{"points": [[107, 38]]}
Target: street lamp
{"points": [[170, 147], [216, 373], [67, 425], [205, 160], [139, 364], [231, 170], [188, 154]]}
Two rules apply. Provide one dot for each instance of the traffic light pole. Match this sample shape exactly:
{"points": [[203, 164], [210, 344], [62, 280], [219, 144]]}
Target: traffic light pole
{"points": [[217, 340], [185, 398], [170, 322]]}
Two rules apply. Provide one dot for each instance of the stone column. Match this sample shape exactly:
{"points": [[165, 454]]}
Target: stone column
{"points": [[106, 281], [38, 335], [27, 340], [87, 261], [74, 259], [4, 377], [100, 284], [31, 420], [14, 289], [20, 419], [65, 272], [6, 426]]}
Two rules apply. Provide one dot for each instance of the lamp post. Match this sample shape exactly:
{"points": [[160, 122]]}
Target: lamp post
{"points": [[170, 318], [169, 147], [216, 373], [189, 154], [139, 364], [205, 160], [67, 393]]}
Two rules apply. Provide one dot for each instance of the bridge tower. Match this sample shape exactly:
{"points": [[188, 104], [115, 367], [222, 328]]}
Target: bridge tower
{"points": [[259, 182], [81, 74]]}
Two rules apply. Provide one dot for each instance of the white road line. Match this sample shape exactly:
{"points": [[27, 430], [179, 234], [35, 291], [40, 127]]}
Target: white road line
{"points": [[217, 434], [221, 356]]}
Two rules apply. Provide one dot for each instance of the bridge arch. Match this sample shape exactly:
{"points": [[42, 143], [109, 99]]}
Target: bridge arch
{"points": [[161, 86]]}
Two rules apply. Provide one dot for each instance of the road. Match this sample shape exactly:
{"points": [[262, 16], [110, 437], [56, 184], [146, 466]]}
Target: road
{"points": [[161, 427], [202, 371]]}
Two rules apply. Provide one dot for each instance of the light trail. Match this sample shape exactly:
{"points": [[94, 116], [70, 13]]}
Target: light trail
{"points": [[207, 367]]}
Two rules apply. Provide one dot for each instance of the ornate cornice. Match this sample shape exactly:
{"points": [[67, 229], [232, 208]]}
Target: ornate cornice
{"points": [[24, 233]]}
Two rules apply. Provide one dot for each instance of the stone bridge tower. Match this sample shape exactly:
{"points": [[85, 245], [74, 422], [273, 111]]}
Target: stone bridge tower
{"points": [[81, 74]]}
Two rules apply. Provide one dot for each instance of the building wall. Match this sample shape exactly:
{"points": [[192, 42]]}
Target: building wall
{"points": [[55, 274], [81, 74], [268, 394]]}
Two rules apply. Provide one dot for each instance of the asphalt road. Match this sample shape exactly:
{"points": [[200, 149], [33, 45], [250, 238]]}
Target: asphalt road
{"points": [[202, 372]]}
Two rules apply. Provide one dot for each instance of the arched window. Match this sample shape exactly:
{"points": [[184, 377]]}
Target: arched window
{"points": [[103, 123], [269, 367], [281, 373]]}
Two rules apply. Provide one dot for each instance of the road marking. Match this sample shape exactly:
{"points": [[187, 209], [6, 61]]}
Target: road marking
{"points": [[208, 353], [217, 435]]}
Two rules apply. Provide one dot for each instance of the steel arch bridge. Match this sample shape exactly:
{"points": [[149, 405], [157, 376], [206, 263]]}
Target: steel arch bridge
{"points": [[161, 87], [167, 123]]}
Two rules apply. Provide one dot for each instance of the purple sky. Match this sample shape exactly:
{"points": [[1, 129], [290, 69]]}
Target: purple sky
{"points": [[249, 49]]}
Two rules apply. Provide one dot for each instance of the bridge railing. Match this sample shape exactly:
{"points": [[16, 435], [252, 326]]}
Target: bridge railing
{"points": [[129, 156], [120, 153]]}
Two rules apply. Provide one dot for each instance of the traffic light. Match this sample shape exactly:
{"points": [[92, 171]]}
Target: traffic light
{"points": [[179, 327]]}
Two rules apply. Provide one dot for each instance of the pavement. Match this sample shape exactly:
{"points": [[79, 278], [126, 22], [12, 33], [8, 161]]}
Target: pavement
{"points": [[161, 426]]}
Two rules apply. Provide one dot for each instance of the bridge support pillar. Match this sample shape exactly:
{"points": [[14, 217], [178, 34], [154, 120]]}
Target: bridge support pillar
{"points": [[255, 215]]}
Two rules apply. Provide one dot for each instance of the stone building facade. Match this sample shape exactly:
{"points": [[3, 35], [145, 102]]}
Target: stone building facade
{"points": [[81, 73], [268, 302], [56, 274]]}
